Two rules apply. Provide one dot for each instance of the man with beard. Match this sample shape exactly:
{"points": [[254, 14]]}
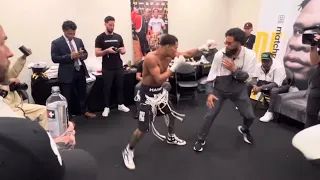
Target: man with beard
{"points": [[297, 57], [230, 69], [153, 98], [66, 140], [5, 53], [109, 45], [47, 162]]}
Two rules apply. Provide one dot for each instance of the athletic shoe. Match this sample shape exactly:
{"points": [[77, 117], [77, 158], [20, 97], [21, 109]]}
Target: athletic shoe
{"points": [[123, 108], [268, 116], [128, 156], [246, 135], [173, 139], [198, 146], [106, 112]]}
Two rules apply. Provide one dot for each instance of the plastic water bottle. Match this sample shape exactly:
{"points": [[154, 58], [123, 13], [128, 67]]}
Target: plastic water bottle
{"points": [[57, 108]]}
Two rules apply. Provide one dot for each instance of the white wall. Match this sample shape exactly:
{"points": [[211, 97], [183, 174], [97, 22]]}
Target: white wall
{"points": [[195, 21], [242, 11], [35, 23]]}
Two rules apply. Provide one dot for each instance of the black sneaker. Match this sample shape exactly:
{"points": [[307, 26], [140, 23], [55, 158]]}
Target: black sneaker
{"points": [[246, 135], [198, 146]]}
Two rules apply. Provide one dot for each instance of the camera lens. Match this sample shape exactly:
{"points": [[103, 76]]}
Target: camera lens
{"points": [[23, 86]]}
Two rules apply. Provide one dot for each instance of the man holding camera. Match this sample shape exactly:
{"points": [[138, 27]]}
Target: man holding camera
{"points": [[11, 104], [313, 105], [109, 46], [12, 91]]}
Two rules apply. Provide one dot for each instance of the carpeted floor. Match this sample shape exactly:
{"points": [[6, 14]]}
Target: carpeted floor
{"points": [[226, 156]]}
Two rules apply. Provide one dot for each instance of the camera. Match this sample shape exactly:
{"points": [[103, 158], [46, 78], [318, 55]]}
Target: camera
{"points": [[18, 86], [308, 36]]}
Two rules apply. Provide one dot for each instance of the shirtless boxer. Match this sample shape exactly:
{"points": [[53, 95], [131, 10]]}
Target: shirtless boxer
{"points": [[154, 100]]}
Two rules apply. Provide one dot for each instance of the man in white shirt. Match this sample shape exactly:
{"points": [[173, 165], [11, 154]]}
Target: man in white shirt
{"points": [[156, 24], [230, 69], [270, 79]]}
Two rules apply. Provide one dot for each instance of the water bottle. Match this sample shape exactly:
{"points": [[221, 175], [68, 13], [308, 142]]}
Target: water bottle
{"points": [[57, 108]]}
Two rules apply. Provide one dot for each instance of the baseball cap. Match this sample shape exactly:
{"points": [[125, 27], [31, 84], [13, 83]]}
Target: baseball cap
{"points": [[266, 56], [248, 25], [27, 151]]}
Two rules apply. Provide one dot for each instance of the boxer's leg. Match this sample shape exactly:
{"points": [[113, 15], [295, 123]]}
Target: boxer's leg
{"points": [[169, 114], [136, 90], [144, 120], [172, 138]]}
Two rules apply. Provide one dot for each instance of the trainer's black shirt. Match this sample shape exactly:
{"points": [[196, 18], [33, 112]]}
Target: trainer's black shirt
{"points": [[249, 41], [104, 41]]}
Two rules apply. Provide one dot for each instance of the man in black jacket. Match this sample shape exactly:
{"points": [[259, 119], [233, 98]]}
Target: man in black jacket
{"points": [[69, 52]]}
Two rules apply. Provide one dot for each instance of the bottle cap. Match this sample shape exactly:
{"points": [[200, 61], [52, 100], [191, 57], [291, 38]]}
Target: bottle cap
{"points": [[55, 89]]}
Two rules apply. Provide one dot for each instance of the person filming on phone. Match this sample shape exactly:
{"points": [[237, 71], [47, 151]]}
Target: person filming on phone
{"points": [[313, 105], [109, 45], [69, 52]]}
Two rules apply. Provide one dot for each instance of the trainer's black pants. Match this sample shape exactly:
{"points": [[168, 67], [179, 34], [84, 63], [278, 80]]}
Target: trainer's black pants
{"points": [[112, 78], [313, 106], [241, 101]]}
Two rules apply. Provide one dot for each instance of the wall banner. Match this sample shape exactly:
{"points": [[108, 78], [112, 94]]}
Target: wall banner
{"points": [[149, 21], [280, 31]]}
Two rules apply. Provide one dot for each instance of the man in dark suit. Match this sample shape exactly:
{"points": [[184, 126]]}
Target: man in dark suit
{"points": [[70, 53]]}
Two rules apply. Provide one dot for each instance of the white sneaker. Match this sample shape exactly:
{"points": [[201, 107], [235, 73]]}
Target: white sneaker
{"points": [[268, 116], [106, 112], [128, 156], [123, 108]]}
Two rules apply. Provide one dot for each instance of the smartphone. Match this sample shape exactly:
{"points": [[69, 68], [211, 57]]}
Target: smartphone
{"points": [[80, 51], [116, 49]]}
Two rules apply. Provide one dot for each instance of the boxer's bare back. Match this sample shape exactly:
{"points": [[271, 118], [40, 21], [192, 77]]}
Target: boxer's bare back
{"points": [[154, 66]]}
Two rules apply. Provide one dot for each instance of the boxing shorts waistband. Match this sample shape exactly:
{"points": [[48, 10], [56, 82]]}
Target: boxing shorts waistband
{"points": [[150, 91]]}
